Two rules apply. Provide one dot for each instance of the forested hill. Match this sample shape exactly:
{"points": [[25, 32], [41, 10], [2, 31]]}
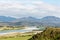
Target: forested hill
{"points": [[48, 34]]}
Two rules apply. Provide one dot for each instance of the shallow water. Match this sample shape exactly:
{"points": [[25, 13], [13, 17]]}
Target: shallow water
{"points": [[7, 31], [21, 30]]}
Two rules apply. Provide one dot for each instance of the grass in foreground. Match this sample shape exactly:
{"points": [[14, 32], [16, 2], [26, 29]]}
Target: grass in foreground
{"points": [[18, 38]]}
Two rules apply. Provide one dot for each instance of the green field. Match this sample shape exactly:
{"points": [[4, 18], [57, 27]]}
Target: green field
{"points": [[18, 38]]}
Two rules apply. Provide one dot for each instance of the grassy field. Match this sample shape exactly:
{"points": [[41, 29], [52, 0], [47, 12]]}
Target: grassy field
{"points": [[11, 28], [18, 38]]}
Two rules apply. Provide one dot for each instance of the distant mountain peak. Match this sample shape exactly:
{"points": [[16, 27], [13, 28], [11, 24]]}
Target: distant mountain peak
{"points": [[50, 17], [6, 19]]}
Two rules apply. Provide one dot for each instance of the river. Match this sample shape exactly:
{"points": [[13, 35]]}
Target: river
{"points": [[21, 30]]}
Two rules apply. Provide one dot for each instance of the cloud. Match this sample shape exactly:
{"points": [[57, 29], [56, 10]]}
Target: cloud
{"points": [[27, 5], [28, 8]]}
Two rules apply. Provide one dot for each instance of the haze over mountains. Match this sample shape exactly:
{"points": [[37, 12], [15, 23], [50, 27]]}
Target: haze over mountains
{"points": [[30, 21]]}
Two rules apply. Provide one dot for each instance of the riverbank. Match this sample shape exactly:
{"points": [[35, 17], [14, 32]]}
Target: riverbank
{"points": [[21, 33], [17, 28], [17, 34], [18, 38]]}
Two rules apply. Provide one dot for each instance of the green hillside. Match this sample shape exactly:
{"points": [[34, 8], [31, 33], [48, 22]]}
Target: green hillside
{"points": [[48, 34]]}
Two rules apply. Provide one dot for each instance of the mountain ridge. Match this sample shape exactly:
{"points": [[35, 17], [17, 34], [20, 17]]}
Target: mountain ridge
{"points": [[32, 21], [6, 19]]}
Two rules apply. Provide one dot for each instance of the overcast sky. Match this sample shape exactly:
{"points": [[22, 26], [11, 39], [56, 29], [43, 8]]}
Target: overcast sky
{"points": [[35, 8]]}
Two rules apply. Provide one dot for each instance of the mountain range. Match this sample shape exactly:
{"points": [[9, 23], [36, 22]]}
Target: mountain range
{"points": [[6, 19], [30, 21]]}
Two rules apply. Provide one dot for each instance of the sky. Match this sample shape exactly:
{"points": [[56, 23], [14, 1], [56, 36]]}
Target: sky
{"points": [[34, 8]]}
